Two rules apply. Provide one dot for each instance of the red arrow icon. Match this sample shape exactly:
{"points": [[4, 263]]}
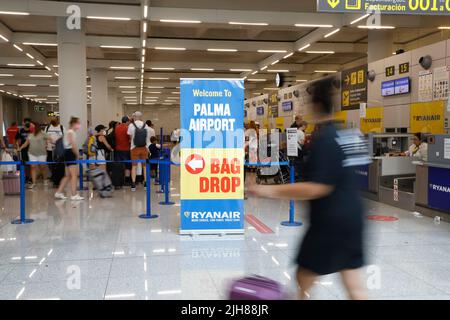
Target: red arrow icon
{"points": [[195, 164]]}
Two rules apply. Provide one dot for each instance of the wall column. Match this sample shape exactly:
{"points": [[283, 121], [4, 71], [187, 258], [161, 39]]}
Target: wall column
{"points": [[380, 44], [72, 76]]}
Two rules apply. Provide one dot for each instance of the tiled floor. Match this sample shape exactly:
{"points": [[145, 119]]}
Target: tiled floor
{"points": [[100, 249]]}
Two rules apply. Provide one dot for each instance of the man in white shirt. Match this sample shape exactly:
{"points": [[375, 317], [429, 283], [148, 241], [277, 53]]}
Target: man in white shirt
{"points": [[140, 135]]}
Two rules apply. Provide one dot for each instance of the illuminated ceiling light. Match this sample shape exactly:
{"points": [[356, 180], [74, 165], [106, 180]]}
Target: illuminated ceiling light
{"points": [[40, 76], [39, 63], [116, 47], [128, 92], [175, 92], [221, 50], [202, 69], [248, 23], [163, 69], [240, 70], [40, 44], [271, 51], [320, 52], [153, 92], [54, 85], [20, 64], [256, 80], [305, 47], [48, 68], [301, 80], [158, 78], [125, 78], [257, 93], [127, 87], [145, 11], [170, 48], [6, 75], [278, 70], [52, 96], [17, 47], [263, 68], [288, 55], [275, 62], [179, 21], [144, 27], [254, 72], [155, 87], [144, 42], [376, 27], [30, 56], [143, 52], [360, 18], [108, 18], [270, 88], [331, 33], [30, 95], [308, 25], [56, 74], [16, 13], [444, 28], [4, 38], [325, 71], [26, 85], [122, 68]]}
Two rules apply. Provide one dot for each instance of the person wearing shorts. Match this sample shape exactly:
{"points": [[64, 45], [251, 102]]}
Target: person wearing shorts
{"points": [[37, 152], [138, 152], [122, 150]]}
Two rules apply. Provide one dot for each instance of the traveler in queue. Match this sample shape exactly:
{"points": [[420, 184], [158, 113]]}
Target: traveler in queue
{"points": [[21, 138], [140, 135], [418, 149], [122, 150], [334, 239], [37, 152], [71, 154], [103, 147], [54, 131]]}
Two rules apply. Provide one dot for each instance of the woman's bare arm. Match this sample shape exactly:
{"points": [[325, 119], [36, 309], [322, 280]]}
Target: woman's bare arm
{"points": [[295, 191]]}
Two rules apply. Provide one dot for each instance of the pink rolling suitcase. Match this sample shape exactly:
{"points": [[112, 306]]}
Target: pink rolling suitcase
{"points": [[11, 183], [255, 288]]}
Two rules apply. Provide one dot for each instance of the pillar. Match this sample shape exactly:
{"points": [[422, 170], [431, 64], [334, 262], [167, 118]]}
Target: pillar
{"points": [[113, 104], [2, 133], [380, 44], [101, 112], [72, 76]]}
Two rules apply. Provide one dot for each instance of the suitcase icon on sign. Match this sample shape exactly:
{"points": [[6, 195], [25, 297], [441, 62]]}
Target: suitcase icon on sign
{"points": [[353, 4]]}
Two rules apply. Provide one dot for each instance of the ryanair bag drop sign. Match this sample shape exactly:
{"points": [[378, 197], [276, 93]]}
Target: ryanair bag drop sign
{"points": [[212, 156]]}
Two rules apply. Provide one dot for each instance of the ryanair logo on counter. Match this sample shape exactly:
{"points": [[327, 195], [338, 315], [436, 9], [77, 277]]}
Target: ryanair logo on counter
{"points": [[433, 117], [216, 215], [440, 188]]}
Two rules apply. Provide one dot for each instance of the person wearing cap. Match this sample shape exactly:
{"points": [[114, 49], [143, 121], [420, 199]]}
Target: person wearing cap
{"points": [[122, 151], [102, 145], [138, 152]]}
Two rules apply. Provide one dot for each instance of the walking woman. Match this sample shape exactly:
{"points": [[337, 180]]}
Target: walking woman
{"points": [[103, 147], [334, 240], [37, 152], [71, 153]]}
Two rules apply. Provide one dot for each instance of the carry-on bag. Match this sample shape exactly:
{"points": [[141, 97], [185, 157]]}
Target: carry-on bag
{"points": [[10, 177], [102, 182], [255, 288]]}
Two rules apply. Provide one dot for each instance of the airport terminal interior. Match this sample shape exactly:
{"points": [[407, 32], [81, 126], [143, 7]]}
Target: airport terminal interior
{"points": [[129, 60]]}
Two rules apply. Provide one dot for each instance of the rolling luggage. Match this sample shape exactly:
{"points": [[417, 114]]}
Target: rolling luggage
{"points": [[117, 172], [11, 183], [102, 182], [255, 288]]}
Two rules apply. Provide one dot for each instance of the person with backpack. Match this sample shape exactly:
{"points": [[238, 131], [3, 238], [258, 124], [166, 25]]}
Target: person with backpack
{"points": [[54, 131], [70, 153], [103, 146], [140, 135]]}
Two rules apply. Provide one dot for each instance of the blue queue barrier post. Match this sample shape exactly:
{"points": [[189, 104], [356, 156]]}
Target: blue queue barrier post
{"points": [[161, 175], [291, 222], [166, 182], [148, 214], [23, 219], [81, 186]]}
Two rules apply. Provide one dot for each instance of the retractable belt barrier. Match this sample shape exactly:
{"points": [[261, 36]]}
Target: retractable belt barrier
{"points": [[164, 164]]}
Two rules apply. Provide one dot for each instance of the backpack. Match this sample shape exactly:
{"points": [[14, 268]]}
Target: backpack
{"points": [[140, 136], [92, 146], [58, 152]]}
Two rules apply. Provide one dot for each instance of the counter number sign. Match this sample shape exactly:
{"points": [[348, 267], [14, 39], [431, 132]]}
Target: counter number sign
{"points": [[403, 68], [390, 71]]}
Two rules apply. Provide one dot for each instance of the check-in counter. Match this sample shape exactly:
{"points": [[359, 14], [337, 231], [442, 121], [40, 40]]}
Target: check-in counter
{"points": [[433, 179]]}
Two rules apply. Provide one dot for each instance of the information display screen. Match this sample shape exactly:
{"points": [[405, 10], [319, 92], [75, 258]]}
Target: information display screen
{"points": [[402, 85], [287, 105], [394, 87], [388, 88], [428, 7], [260, 111]]}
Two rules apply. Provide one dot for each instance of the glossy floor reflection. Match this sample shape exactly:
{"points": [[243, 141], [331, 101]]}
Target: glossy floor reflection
{"points": [[100, 249]]}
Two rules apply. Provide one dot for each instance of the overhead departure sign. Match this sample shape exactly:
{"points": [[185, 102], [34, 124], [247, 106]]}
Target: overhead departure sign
{"points": [[429, 7]]}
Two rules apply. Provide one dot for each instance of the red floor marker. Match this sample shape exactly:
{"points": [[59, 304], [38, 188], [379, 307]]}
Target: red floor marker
{"points": [[382, 218], [258, 224]]}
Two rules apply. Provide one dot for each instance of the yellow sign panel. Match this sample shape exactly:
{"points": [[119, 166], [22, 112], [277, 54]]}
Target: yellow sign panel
{"points": [[427, 117], [279, 123], [345, 98], [212, 174], [341, 117], [353, 78], [353, 4], [373, 122]]}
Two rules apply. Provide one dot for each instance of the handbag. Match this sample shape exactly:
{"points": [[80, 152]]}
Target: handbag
{"points": [[6, 157]]}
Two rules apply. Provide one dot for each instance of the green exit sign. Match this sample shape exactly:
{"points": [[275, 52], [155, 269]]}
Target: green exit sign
{"points": [[39, 108]]}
